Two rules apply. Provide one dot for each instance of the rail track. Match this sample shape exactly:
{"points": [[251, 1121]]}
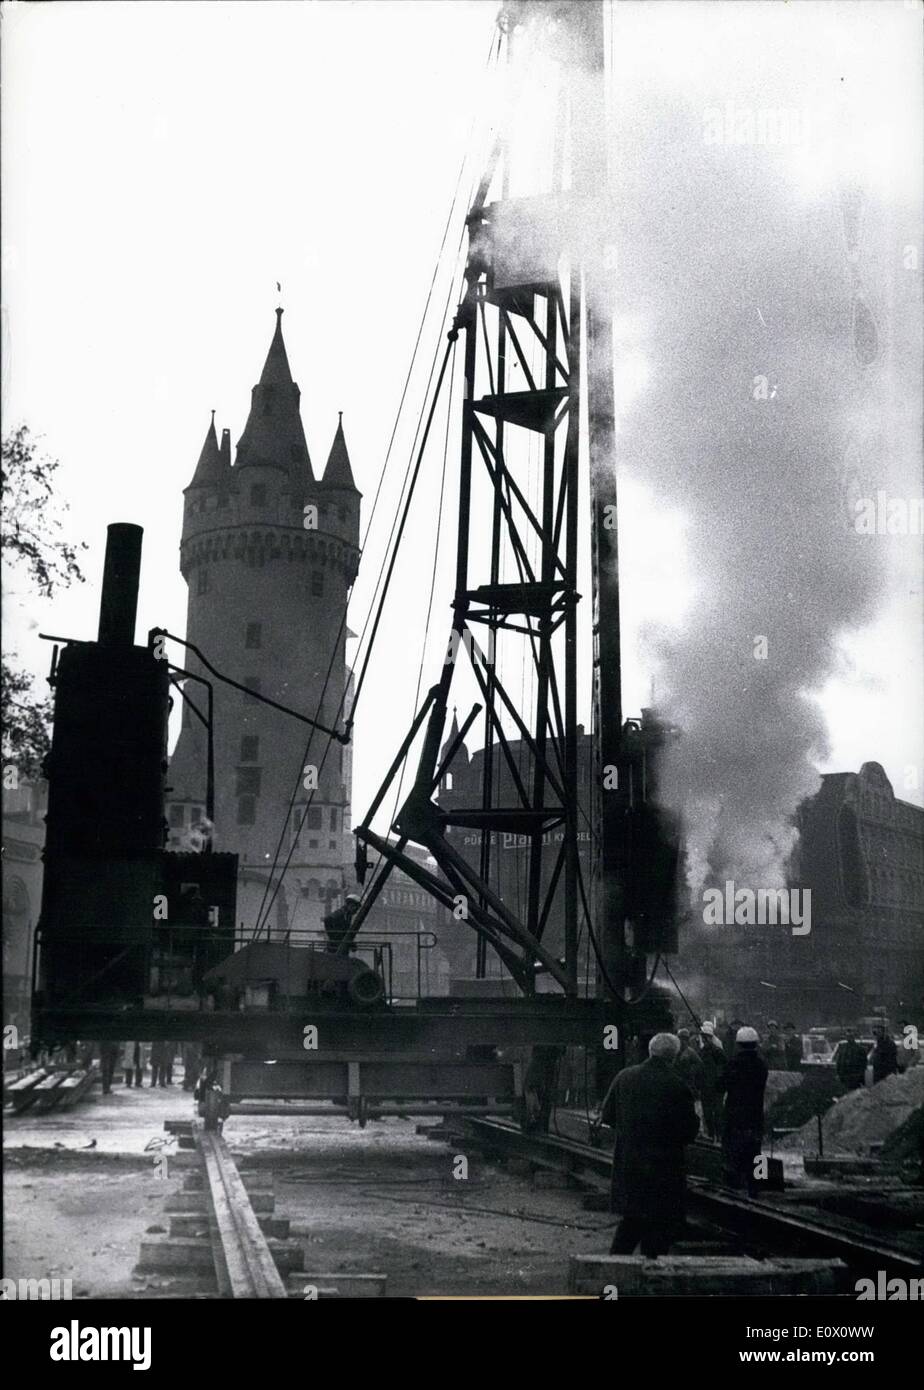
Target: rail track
{"points": [[224, 1232], [734, 1230], [764, 1224], [244, 1264]]}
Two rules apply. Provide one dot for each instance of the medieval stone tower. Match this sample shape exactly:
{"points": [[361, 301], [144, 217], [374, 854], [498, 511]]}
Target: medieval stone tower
{"points": [[268, 553]]}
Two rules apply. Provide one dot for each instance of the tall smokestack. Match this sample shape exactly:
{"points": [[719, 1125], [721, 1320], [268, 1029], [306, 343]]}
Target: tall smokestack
{"points": [[119, 601]]}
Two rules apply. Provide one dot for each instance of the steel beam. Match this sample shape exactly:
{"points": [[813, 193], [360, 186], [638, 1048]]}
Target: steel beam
{"points": [[444, 1023]]}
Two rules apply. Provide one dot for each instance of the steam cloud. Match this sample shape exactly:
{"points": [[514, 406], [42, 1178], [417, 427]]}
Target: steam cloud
{"points": [[767, 292], [759, 241]]}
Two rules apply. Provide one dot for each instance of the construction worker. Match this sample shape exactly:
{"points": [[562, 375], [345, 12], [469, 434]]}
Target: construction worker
{"points": [[108, 1056], [730, 1032], [712, 1056], [160, 1057], [337, 924], [652, 1112], [773, 1047], [884, 1055], [850, 1063], [792, 1047], [688, 1065], [743, 1129], [192, 1061], [132, 1062]]}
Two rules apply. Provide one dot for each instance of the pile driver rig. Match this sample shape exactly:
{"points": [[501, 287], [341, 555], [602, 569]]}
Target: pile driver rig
{"points": [[533, 330]]}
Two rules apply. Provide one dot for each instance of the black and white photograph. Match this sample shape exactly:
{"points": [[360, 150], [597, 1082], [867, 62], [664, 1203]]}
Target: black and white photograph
{"points": [[463, 673]]}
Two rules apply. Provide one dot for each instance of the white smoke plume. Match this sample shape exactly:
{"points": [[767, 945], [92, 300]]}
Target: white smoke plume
{"points": [[763, 207], [759, 242]]}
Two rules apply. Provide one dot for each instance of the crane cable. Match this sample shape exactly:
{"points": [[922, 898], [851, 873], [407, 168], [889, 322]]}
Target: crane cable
{"points": [[295, 837], [492, 57], [436, 548], [266, 906]]}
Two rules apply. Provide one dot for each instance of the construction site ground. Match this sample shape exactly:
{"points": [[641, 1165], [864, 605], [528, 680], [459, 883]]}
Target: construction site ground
{"points": [[81, 1191]]}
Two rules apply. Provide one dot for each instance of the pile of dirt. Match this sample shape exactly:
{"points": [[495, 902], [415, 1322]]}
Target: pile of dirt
{"points": [[863, 1120], [792, 1098], [906, 1144]]}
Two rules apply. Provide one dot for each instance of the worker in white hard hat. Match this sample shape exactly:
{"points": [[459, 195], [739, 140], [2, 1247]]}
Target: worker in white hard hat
{"points": [[743, 1130]]}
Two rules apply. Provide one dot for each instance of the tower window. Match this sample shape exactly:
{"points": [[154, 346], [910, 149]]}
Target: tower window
{"points": [[253, 636], [317, 583], [253, 685], [268, 394], [313, 818], [248, 781], [203, 580], [332, 844], [246, 810], [250, 748], [258, 495], [334, 818], [177, 815]]}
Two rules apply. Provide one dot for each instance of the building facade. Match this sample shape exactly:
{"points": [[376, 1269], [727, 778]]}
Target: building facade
{"points": [[269, 553], [860, 853], [24, 807]]}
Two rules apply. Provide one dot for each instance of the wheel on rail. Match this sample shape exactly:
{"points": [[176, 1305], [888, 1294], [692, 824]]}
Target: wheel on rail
{"points": [[212, 1109]]}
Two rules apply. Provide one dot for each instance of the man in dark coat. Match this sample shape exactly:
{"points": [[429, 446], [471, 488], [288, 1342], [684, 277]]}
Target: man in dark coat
{"points": [[792, 1047], [712, 1056], [773, 1048], [688, 1065], [728, 1037], [745, 1083], [108, 1056], [654, 1117], [337, 924], [884, 1056], [850, 1063], [159, 1051]]}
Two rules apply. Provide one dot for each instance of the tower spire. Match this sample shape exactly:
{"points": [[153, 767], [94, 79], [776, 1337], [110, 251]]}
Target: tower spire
{"points": [[211, 468], [338, 472], [273, 435]]}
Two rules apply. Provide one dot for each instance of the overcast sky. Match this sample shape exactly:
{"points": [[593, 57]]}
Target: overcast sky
{"points": [[164, 165]]}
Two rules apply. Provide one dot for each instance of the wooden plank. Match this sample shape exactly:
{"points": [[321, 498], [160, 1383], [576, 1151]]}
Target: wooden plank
{"points": [[75, 1087], [24, 1083]]}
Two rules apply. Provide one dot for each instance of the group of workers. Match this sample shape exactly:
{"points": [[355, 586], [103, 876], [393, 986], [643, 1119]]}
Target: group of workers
{"points": [[133, 1058], [653, 1109], [657, 1105], [852, 1058]]}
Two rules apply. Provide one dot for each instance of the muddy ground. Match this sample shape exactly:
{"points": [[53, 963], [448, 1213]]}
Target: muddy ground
{"points": [[378, 1200]]}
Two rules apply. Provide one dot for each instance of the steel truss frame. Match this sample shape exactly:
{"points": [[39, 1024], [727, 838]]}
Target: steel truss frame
{"points": [[547, 312]]}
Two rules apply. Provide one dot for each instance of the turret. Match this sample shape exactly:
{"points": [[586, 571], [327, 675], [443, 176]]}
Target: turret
{"points": [[337, 495], [207, 497]]}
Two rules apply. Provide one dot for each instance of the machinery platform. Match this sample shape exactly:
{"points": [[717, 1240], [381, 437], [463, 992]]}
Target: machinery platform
{"points": [[444, 1023]]}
